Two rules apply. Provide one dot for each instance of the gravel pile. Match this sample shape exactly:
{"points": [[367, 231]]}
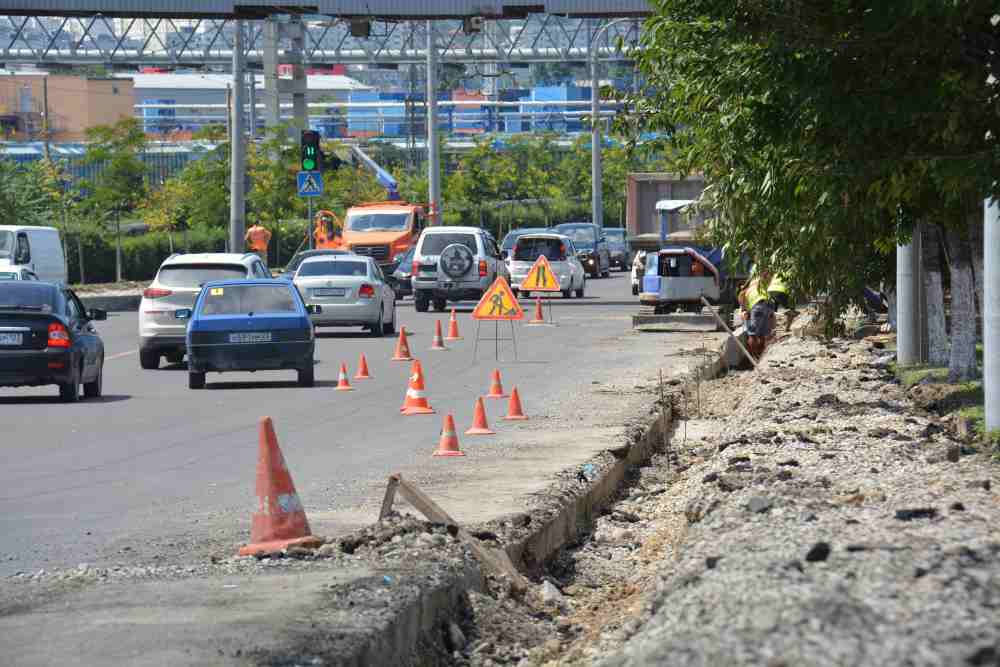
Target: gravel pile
{"points": [[827, 522]]}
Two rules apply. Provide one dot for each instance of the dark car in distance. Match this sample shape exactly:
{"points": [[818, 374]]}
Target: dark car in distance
{"points": [[592, 246], [293, 264], [402, 278], [48, 337], [249, 325]]}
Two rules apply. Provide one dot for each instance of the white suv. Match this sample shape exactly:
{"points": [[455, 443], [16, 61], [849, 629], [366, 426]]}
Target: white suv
{"points": [[176, 285], [454, 263]]}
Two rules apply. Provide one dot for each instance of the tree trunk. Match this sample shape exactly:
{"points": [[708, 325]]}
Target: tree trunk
{"points": [[118, 250], [937, 333], [962, 361], [79, 256], [976, 247], [890, 296]]}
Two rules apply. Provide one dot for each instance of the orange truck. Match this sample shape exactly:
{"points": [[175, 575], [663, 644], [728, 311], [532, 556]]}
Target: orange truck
{"points": [[384, 230]]}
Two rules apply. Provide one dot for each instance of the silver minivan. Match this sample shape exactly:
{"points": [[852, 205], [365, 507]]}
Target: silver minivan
{"points": [[454, 263], [37, 249]]}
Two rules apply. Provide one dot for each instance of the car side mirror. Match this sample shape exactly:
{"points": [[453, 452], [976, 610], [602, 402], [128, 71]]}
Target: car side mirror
{"points": [[182, 314], [97, 314], [314, 309]]}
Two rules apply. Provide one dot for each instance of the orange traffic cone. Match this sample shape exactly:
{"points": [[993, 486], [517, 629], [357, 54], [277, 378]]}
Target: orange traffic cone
{"points": [[402, 347], [496, 387], [342, 382], [362, 373], [415, 402], [438, 343], [479, 425], [280, 520], [514, 410], [453, 328], [448, 445], [539, 318]]}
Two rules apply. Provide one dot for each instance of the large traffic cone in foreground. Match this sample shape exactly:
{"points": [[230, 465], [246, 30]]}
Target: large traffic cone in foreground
{"points": [[479, 423], [362, 373], [539, 317], [280, 521], [453, 328], [496, 387], [448, 445], [342, 382], [514, 410], [402, 347], [415, 402], [438, 343]]}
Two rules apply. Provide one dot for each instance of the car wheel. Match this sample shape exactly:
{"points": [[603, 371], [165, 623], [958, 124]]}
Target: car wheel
{"points": [[440, 304], [390, 328], [421, 301], [149, 359], [70, 392], [567, 293], [579, 292], [375, 329], [307, 375], [606, 273], [95, 388], [196, 380]]}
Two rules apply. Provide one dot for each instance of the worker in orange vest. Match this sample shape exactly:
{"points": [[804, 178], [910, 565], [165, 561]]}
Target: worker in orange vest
{"points": [[257, 239]]}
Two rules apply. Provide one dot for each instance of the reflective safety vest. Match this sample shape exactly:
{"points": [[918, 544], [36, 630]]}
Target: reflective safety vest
{"points": [[258, 238], [778, 285], [753, 294]]}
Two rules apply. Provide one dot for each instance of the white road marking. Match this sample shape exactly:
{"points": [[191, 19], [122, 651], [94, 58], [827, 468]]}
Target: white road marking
{"points": [[120, 355]]}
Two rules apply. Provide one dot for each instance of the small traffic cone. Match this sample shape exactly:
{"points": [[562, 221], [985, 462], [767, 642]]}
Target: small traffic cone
{"points": [[342, 382], [453, 328], [402, 347], [415, 402], [496, 387], [362, 373], [514, 410], [539, 317], [479, 424], [280, 521], [448, 445], [438, 343]]}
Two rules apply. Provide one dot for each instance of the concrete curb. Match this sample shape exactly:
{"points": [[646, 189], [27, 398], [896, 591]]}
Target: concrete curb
{"points": [[112, 304], [425, 619]]}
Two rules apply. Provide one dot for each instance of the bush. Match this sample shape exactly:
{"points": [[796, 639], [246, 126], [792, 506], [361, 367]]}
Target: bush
{"points": [[141, 255]]}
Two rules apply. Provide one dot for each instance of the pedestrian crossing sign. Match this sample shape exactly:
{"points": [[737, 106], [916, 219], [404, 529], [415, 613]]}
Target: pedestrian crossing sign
{"points": [[540, 277], [310, 183], [498, 303]]}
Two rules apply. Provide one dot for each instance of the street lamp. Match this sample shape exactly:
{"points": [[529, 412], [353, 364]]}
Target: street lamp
{"points": [[596, 168]]}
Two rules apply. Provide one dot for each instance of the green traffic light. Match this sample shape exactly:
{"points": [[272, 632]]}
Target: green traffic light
{"points": [[308, 165]]}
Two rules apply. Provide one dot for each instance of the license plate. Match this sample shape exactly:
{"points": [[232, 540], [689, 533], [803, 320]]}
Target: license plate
{"points": [[250, 337], [332, 291], [11, 339]]}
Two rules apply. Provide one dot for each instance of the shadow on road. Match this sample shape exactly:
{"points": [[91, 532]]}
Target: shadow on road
{"points": [[45, 400], [269, 384]]}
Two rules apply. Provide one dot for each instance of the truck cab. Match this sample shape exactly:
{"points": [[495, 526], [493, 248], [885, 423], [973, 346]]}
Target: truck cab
{"points": [[383, 231]]}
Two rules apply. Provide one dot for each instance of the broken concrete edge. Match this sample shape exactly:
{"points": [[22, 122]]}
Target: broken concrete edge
{"points": [[112, 304], [423, 621]]}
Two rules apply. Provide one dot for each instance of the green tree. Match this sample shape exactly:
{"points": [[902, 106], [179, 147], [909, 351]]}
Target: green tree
{"points": [[22, 200], [119, 184]]}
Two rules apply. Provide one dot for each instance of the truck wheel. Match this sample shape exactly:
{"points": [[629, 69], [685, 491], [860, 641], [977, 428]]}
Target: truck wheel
{"points": [[196, 380], [440, 304], [421, 301]]}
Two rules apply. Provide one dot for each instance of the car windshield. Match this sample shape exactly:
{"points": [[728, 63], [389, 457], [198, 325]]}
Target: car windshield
{"points": [[528, 249], [615, 236], [196, 275], [303, 256], [377, 222], [8, 275], [333, 268], [6, 243], [513, 235], [248, 299], [29, 295], [582, 235], [433, 244]]}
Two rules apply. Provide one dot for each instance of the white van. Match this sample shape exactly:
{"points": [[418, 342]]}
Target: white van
{"points": [[37, 249]]}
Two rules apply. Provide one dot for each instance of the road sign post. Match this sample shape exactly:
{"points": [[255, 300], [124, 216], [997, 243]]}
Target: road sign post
{"points": [[498, 303], [540, 278]]}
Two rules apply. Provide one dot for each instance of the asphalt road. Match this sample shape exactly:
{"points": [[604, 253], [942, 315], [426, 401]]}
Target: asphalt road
{"points": [[154, 468]]}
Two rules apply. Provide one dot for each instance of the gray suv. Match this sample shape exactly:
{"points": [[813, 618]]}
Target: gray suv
{"points": [[454, 264]]}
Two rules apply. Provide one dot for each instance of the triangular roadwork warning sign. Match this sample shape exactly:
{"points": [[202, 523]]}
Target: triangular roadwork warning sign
{"points": [[540, 277], [498, 303]]}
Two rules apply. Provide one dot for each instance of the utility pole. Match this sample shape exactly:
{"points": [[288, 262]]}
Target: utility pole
{"points": [[596, 167], [45, 117], [991, 313], [252, 87], [433, 161], [907, 302], [237, 161]]}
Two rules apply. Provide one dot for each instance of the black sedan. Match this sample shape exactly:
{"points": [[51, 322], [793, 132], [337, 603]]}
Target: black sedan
{"points": [[47, 337]]}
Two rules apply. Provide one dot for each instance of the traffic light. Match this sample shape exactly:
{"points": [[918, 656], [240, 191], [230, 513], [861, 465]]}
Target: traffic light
{"points": [[311, 154]]}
